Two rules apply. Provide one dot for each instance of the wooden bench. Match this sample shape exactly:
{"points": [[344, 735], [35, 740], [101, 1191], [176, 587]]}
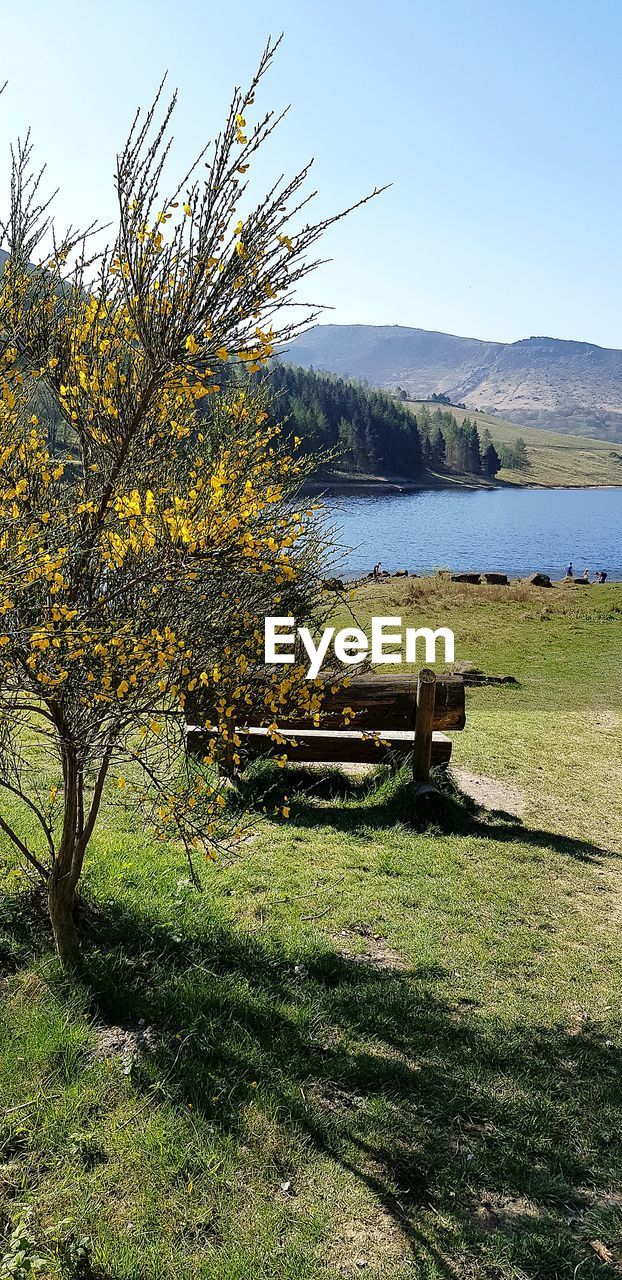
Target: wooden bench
{"points": [[398, 715]]}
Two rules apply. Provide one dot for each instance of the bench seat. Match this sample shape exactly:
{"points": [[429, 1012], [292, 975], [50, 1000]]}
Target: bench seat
{"points": [[325, 745]]}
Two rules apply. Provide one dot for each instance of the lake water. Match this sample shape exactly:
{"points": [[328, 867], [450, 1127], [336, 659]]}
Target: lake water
{"points": [[514, 531]]}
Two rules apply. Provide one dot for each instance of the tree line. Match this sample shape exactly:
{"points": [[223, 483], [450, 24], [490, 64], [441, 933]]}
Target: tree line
{"points": [[369, 431], [374, 433]]}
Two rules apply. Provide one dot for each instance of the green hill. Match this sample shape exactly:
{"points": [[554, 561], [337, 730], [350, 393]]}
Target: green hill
{"points": [[556, 460]]}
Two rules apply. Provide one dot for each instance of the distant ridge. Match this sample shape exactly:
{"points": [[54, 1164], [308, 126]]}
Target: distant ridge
{"points": [[554, 383], [572, 387]]}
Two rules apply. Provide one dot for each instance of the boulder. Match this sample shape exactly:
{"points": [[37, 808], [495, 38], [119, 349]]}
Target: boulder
{"points": [[540, 580], [473, 578], [477, 677], [472, 675], [496, 579]]}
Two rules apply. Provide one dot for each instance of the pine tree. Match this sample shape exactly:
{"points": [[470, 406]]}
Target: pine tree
{"points": [[491, 462], [439, 448], [474, 451]]}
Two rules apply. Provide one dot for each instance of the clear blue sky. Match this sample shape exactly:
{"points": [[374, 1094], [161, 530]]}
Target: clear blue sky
{"points": [[499, 122]]}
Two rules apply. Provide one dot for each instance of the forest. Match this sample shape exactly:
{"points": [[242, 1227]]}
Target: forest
{"points": [[371, 432], [364, 430]]}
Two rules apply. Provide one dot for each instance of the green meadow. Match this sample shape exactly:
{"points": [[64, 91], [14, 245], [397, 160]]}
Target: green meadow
{"points": [[556, 460], [379, 1042]]}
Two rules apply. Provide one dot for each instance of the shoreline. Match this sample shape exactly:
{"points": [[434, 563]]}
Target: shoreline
{"points": [[362, 579], [342, 487]]}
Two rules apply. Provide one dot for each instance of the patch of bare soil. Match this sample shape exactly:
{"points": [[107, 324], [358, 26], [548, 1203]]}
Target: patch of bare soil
{"points": [[126, 1043], [606, 720], [373, 1241], [496, 1212], [352, 770], [377, 950], [331, 1097], [490, 793]]}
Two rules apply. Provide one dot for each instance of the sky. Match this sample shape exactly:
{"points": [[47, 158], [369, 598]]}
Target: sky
{"points": [[497, 122]]}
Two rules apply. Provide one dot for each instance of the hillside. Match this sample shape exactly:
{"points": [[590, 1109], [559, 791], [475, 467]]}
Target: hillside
{"points": [[572, 387], [556, 460], [372, 437]]}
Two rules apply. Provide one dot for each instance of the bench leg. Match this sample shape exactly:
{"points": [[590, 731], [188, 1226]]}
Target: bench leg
{"points": [[422, 754]]}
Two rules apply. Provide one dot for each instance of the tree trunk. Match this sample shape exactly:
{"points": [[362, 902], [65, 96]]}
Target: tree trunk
{"points": [[69, 858], [61, 895], [63, 878]]}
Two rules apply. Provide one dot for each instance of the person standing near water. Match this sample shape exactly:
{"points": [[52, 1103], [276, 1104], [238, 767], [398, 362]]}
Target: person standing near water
{"points": [[570, 570]]}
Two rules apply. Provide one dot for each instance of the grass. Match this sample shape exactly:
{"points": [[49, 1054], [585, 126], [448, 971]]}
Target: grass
{"points": [[374, 1045], [556, 459]]}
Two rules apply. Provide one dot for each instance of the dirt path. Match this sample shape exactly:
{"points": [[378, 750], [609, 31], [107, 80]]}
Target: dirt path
{"points": [[490, 793]]}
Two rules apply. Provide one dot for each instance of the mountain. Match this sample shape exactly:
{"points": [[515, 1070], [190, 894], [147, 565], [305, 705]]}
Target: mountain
{"points": [[572, 387]]}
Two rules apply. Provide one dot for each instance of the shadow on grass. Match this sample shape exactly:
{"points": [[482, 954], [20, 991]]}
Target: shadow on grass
{"points": [[359, 803], [471, 1136]]}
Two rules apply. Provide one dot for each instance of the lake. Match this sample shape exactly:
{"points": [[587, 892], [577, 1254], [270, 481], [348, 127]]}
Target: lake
{"points": [[514, 531]]}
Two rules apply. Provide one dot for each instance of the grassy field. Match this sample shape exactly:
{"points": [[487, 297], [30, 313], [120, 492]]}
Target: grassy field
{"points": [[555, 459], [372, 1046]]}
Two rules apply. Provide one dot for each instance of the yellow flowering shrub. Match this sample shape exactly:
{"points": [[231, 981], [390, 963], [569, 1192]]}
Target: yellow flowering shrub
{"points": [[137, 562]]}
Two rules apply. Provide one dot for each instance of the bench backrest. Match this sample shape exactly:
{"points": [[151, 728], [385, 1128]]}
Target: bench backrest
{"points": [[378, 702], [386, 702]]}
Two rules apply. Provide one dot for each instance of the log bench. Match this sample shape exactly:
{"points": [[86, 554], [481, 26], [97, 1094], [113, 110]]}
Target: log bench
{"points": [[392, 715]]}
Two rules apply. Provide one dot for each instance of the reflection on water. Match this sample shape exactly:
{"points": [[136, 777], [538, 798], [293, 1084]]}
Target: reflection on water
{"points": [[516, 531]]}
